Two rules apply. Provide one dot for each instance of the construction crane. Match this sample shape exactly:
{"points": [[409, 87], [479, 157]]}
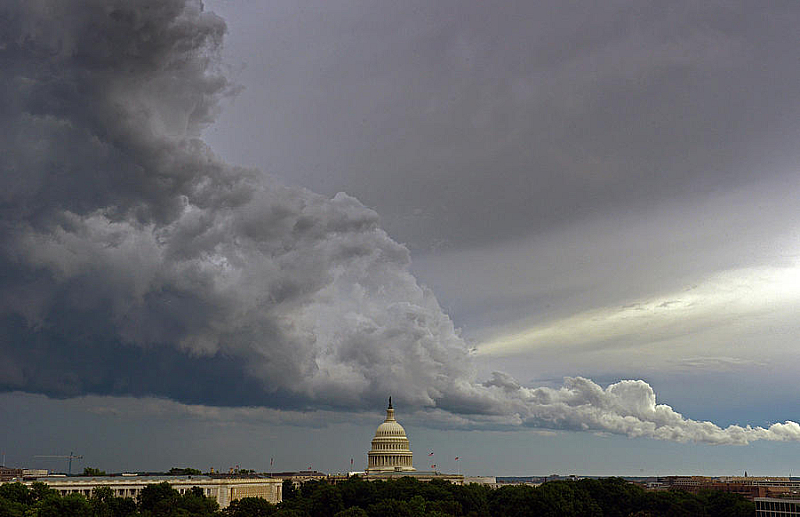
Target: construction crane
{"points": [[71, 457]]}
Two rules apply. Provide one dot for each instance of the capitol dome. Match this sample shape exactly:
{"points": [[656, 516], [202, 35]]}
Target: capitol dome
{"points": [[390, 448]]}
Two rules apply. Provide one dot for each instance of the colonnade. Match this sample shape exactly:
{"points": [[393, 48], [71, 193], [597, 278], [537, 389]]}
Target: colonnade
{"points": [[390, 460]]}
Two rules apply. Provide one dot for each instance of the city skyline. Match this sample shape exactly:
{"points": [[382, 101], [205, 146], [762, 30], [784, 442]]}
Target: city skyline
{"points": [[563, 237]]}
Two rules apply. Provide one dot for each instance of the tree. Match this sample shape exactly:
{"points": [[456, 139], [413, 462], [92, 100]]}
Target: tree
{"points": [[408, 497], [474, 499], [16, 493], [10, 508], [158, 499], [288, 512], [91, 471], [186, 471], [72, 505], [390, 508], [288, 491], [353, 511], [325, 499], [615, 496], [195, 502], [100, 501], [251, 507], [41, 491], [122, 507], [512, 501], [357, 492], [719, 504], [444, 508]]}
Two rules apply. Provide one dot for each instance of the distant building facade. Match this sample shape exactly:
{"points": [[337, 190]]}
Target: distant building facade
{"points": [[9, 474], [222, 490], [777, 507], [751, 487], [300, 476]]}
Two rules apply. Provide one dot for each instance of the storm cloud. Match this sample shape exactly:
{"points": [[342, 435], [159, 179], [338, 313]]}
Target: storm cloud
{"points": [[136, 263]]}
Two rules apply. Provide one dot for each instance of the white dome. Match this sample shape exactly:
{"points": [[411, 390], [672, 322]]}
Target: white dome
{"points": [[390, 428], [390, 448]]}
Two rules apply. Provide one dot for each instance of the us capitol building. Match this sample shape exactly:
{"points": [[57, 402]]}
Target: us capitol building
{"points": [[390, 448], [390, 455]]}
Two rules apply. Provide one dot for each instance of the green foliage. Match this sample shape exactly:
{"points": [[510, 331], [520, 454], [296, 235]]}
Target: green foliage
{"points": [[444, 508], [158, 500], [405, 497], [73, 505], [14, 499], [161, 500], [353, 511], [390, 508], [288, 490], [41, 491], [615, 496], [11, 508], [16, 493], [325, 501], [251, 507], [194, 502], [105, 504], [101, 502], [287, 512], [91, 471], [719, 504]]}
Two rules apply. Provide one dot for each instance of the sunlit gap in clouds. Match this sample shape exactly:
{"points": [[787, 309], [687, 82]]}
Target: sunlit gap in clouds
{"points": [[722, 298]]}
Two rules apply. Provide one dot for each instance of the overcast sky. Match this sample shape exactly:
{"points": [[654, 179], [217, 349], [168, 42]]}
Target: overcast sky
{"points": [[564, 237]]}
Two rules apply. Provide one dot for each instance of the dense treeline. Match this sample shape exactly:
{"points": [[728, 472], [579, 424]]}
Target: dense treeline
{"points": [[156, 500], [406, 497]]}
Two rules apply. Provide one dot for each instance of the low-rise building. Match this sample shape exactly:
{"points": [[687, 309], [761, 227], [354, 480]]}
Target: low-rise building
{"points": [[223, 490], [299, 477], [749, 487], [777, 507], [8, 474]]}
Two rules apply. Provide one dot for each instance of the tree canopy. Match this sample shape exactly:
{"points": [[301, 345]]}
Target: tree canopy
{"points": [[405, 497]]}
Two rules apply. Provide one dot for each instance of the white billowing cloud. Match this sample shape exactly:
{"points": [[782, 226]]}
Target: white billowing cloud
{"points": [[137, 263], [629, 407]]}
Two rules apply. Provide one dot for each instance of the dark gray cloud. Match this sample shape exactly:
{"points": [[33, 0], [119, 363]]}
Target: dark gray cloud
{"points": [[470, 123], [135, 262]]}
